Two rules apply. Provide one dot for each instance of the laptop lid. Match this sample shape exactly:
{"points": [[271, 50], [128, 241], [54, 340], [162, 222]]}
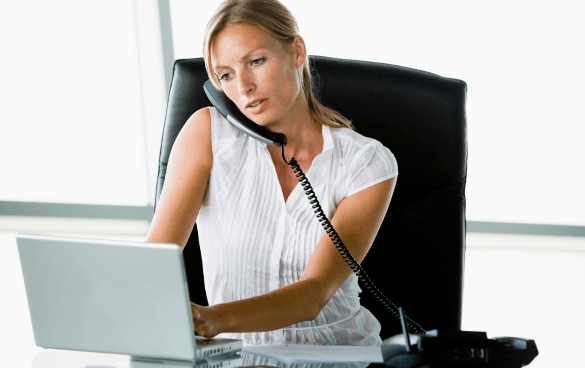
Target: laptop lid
{"points": [[108, 296]]}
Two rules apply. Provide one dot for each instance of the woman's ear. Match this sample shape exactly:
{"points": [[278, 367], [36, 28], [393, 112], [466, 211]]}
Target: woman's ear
{"points": [[300, 51]]}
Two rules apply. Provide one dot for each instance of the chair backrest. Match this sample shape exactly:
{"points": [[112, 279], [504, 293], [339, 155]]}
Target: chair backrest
{"points": [[417, 259]]}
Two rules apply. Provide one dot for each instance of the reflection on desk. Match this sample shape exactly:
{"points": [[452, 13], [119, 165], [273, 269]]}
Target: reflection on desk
{"points": [[301, 353], [232, 360], [77, 359], [259, 361]]}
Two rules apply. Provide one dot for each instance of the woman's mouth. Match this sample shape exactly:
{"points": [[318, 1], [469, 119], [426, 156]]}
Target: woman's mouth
{"points": [[257, 106]]}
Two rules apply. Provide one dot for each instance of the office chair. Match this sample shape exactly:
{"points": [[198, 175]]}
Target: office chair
{"points": [[417, 259]]}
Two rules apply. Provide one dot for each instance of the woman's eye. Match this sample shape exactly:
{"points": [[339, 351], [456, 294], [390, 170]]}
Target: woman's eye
{"points": [[225, 76], [258, 61]]}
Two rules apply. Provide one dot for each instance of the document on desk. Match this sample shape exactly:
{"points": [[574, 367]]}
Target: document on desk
{"points": [[317, 353]]}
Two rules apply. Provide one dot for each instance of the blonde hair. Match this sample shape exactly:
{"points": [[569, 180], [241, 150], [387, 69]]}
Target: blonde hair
{"points": [[275, 19]]}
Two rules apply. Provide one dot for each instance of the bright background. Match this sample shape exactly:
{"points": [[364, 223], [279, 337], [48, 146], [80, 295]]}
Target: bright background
{"points": [[83, 89], [83, 92]]}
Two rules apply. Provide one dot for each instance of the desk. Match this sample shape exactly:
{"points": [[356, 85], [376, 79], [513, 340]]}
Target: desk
{"points": [[73, 359]]}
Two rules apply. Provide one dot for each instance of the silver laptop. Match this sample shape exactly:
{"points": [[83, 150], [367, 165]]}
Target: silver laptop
{"points": [[112, 297]]}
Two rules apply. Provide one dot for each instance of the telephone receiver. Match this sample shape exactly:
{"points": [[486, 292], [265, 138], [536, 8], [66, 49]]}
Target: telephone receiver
{"points": [[230, 111], [422, 349]]}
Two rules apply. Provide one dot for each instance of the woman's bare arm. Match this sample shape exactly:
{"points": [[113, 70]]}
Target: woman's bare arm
{"points": [[185, 182], [357, 221]]}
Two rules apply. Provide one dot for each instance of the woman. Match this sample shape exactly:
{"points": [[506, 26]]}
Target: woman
{"points": [[272, 275]]}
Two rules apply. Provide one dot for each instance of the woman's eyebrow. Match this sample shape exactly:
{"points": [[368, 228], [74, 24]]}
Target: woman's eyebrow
{"points": [[242, 59]]}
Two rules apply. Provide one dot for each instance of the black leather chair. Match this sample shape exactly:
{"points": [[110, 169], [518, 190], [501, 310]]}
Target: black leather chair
{"points": [[417, 259]]}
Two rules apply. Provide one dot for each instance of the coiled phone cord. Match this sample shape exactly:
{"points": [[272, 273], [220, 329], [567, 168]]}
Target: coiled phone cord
{"points": [[353, 264]]}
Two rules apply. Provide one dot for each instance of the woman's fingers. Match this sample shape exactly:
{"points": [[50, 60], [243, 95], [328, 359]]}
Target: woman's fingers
{"points": [[196, 316], [198, 321], [203, 321]]}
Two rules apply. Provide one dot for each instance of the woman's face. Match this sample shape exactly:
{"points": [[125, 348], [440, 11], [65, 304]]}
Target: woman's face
{"points": [[254, 67]]}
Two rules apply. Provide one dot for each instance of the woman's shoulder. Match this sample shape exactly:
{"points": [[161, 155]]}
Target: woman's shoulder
{"points": [[349, 142], [365, 161], [195, 135], [221, 128], [198, 126], [199, 121]]}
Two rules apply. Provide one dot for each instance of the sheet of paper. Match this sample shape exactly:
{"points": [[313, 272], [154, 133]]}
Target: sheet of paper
{"points": [[314, 353]]}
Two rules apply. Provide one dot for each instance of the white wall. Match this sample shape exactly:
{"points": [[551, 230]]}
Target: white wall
{"points": [[523, 63]]}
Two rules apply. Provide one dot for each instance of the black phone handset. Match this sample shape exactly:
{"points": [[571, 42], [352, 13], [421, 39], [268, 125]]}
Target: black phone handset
{"points": [[437, 346], [230, 111]]}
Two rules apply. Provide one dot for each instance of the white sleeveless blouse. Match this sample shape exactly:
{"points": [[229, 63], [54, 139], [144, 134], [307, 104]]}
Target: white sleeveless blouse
{"points": [[253, 242]]}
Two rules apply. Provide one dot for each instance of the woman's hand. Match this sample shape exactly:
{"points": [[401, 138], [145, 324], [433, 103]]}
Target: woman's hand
{"points": [[206, 322]]}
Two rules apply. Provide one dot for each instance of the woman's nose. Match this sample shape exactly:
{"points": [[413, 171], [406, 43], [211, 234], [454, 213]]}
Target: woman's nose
{"points": [[245, 84]]}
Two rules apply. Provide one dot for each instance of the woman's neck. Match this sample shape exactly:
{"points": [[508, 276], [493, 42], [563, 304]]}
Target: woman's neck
{"points": [[303, 135]]}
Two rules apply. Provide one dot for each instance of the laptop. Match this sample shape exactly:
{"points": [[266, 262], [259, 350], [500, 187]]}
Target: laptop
{"points": [[112, 296]]}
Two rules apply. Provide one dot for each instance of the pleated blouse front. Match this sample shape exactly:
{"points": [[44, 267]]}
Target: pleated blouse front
{"points": [[253, 242]]}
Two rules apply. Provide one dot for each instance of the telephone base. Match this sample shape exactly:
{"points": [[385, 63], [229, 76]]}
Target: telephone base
{"points": [[453, 348]]}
